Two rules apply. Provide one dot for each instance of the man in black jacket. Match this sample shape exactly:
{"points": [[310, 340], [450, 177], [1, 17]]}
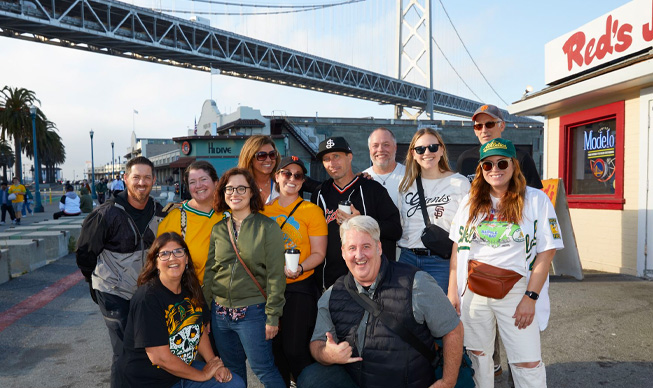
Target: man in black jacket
{"points": [[365, 196], [112, 246], [488, 125]]}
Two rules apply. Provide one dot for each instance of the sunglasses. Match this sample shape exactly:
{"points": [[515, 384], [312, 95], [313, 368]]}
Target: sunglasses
{"points": [[488, 125], [165, 255], [421, 149], [240, 190], [262, 155], [298, 176], [501, 164]]}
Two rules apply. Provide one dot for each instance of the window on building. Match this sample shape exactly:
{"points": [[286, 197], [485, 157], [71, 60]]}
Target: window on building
{"points": [[592, 157]]}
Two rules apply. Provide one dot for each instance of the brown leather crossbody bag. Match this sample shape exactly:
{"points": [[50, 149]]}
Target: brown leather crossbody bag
{"points": [[490, 281]]}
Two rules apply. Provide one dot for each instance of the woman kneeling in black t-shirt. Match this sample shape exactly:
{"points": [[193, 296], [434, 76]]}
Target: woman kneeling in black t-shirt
{"points": [[165, 328]]}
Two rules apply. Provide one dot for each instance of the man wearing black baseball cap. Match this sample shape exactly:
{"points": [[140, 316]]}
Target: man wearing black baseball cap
{"points": [[347, 195], [489, 125]]}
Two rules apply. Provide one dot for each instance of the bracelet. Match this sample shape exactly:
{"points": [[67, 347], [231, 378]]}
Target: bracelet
{"points": [[302, 267]]}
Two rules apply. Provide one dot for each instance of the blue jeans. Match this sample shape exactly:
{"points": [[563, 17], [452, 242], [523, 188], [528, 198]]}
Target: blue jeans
{"points": [[244, 339], [433, 265], [317, 375], [236, 381]]}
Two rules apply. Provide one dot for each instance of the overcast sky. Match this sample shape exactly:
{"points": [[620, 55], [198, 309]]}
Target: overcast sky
{"points": [[81, 91]]}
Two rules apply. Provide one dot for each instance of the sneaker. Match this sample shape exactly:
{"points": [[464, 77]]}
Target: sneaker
{"points": [[2, 222], [13, 221], [497, 370]]}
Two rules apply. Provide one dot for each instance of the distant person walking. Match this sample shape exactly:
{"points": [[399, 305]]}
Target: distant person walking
{"points": [[5, 203], [117, 186], [68, 204], [101, 190], [17, 196], [26, 204]]}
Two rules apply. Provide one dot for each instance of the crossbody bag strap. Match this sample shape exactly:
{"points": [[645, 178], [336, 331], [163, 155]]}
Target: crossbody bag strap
{"points": [[233, 244], [422, 200], [290, 214], [373, 308]]}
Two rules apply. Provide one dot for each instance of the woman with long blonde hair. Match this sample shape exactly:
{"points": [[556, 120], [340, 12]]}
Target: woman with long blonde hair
{"points": [[427, 166], [260, 157], [505, 236]]}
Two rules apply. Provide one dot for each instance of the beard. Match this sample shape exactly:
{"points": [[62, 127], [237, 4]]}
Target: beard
{"points": [[140, 196]]}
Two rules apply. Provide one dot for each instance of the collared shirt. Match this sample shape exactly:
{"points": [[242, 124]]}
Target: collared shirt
{"points": [[430, 305]]}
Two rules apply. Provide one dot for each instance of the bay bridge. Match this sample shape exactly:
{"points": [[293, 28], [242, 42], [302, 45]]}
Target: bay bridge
{"points": [[124, 30]]}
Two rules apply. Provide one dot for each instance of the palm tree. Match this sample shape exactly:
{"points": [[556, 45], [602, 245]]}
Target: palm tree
{"points": [[51, 150], [15, 120], [6, 157]]}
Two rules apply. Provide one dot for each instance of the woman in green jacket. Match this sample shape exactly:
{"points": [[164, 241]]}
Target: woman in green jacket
{"points": [[244, 317]]}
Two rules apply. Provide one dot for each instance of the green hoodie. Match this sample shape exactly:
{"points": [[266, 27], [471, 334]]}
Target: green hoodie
{"points": [[260, 244]]}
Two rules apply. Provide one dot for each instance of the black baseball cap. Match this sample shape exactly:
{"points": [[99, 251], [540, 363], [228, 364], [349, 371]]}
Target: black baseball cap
{"points": [[292, 160], [490, 110], [333, 144]]}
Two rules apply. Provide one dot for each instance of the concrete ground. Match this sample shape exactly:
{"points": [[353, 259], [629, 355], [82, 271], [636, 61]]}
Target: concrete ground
{"points": [[600, 332]]}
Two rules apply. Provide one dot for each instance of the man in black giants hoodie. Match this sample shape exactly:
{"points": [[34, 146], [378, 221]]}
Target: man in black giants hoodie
{"points": [[367, 197]]}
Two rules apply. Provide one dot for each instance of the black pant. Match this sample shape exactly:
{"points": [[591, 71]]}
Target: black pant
{"points": [[57, 215], [291, 346], [115, 311], [8, 208], [100, 198]]}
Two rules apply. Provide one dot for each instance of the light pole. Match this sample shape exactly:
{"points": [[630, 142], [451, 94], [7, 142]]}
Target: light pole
{"points": [[93, 195], [113, 162], [38, 208]]}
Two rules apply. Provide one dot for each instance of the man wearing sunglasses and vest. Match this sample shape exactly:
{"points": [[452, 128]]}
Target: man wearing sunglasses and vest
{"points": [[489, 125]]}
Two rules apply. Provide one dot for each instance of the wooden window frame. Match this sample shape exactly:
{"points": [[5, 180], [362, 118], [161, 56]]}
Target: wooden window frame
{"points": [[615, 111]]}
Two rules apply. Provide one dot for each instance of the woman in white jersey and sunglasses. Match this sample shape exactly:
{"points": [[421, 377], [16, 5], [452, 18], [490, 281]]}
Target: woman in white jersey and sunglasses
{"points": [[427, 164], [505, 236]]}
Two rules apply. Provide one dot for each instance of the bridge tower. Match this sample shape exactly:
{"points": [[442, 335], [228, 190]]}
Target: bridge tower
{"points": [[415, 49]]}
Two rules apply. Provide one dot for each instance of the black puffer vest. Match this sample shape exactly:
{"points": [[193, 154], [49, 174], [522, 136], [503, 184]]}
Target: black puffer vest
{"points": [[388, 361]]}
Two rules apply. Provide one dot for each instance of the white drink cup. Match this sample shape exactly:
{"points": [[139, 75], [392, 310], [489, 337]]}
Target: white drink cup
{"points": [[292, 259], [344, 206]]}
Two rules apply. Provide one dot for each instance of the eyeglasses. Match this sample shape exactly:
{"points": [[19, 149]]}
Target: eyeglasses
{"points": [[262, 155], [488, 125], [298, 176], [421, 149], [240, 189], [165, 255], [501, 164]]}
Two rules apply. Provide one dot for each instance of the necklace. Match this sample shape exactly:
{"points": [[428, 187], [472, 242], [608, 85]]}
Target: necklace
{"points": [[388, 175], [267, 183]]}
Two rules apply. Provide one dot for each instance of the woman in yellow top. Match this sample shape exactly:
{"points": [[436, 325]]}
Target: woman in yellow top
{"points": [[18, 190], [195, 218], [303, 227]]}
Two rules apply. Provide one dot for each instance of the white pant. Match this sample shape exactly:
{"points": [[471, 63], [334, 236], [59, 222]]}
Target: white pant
{"points": [[480, 316]]}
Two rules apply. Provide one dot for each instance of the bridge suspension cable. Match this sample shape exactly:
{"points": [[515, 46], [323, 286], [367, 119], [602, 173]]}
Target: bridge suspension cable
{"points": [[468, 53], [454, 69], [287, 9]]}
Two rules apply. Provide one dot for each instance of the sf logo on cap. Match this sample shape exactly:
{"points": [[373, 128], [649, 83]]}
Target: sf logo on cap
{"points": [[330, 143]]}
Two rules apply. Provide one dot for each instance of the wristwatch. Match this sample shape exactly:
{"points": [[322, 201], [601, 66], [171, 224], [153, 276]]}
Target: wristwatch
{"points": [[532, 294]]}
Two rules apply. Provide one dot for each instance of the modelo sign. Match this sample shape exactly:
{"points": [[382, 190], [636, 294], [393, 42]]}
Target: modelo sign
{"points": [[626, 30]]}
